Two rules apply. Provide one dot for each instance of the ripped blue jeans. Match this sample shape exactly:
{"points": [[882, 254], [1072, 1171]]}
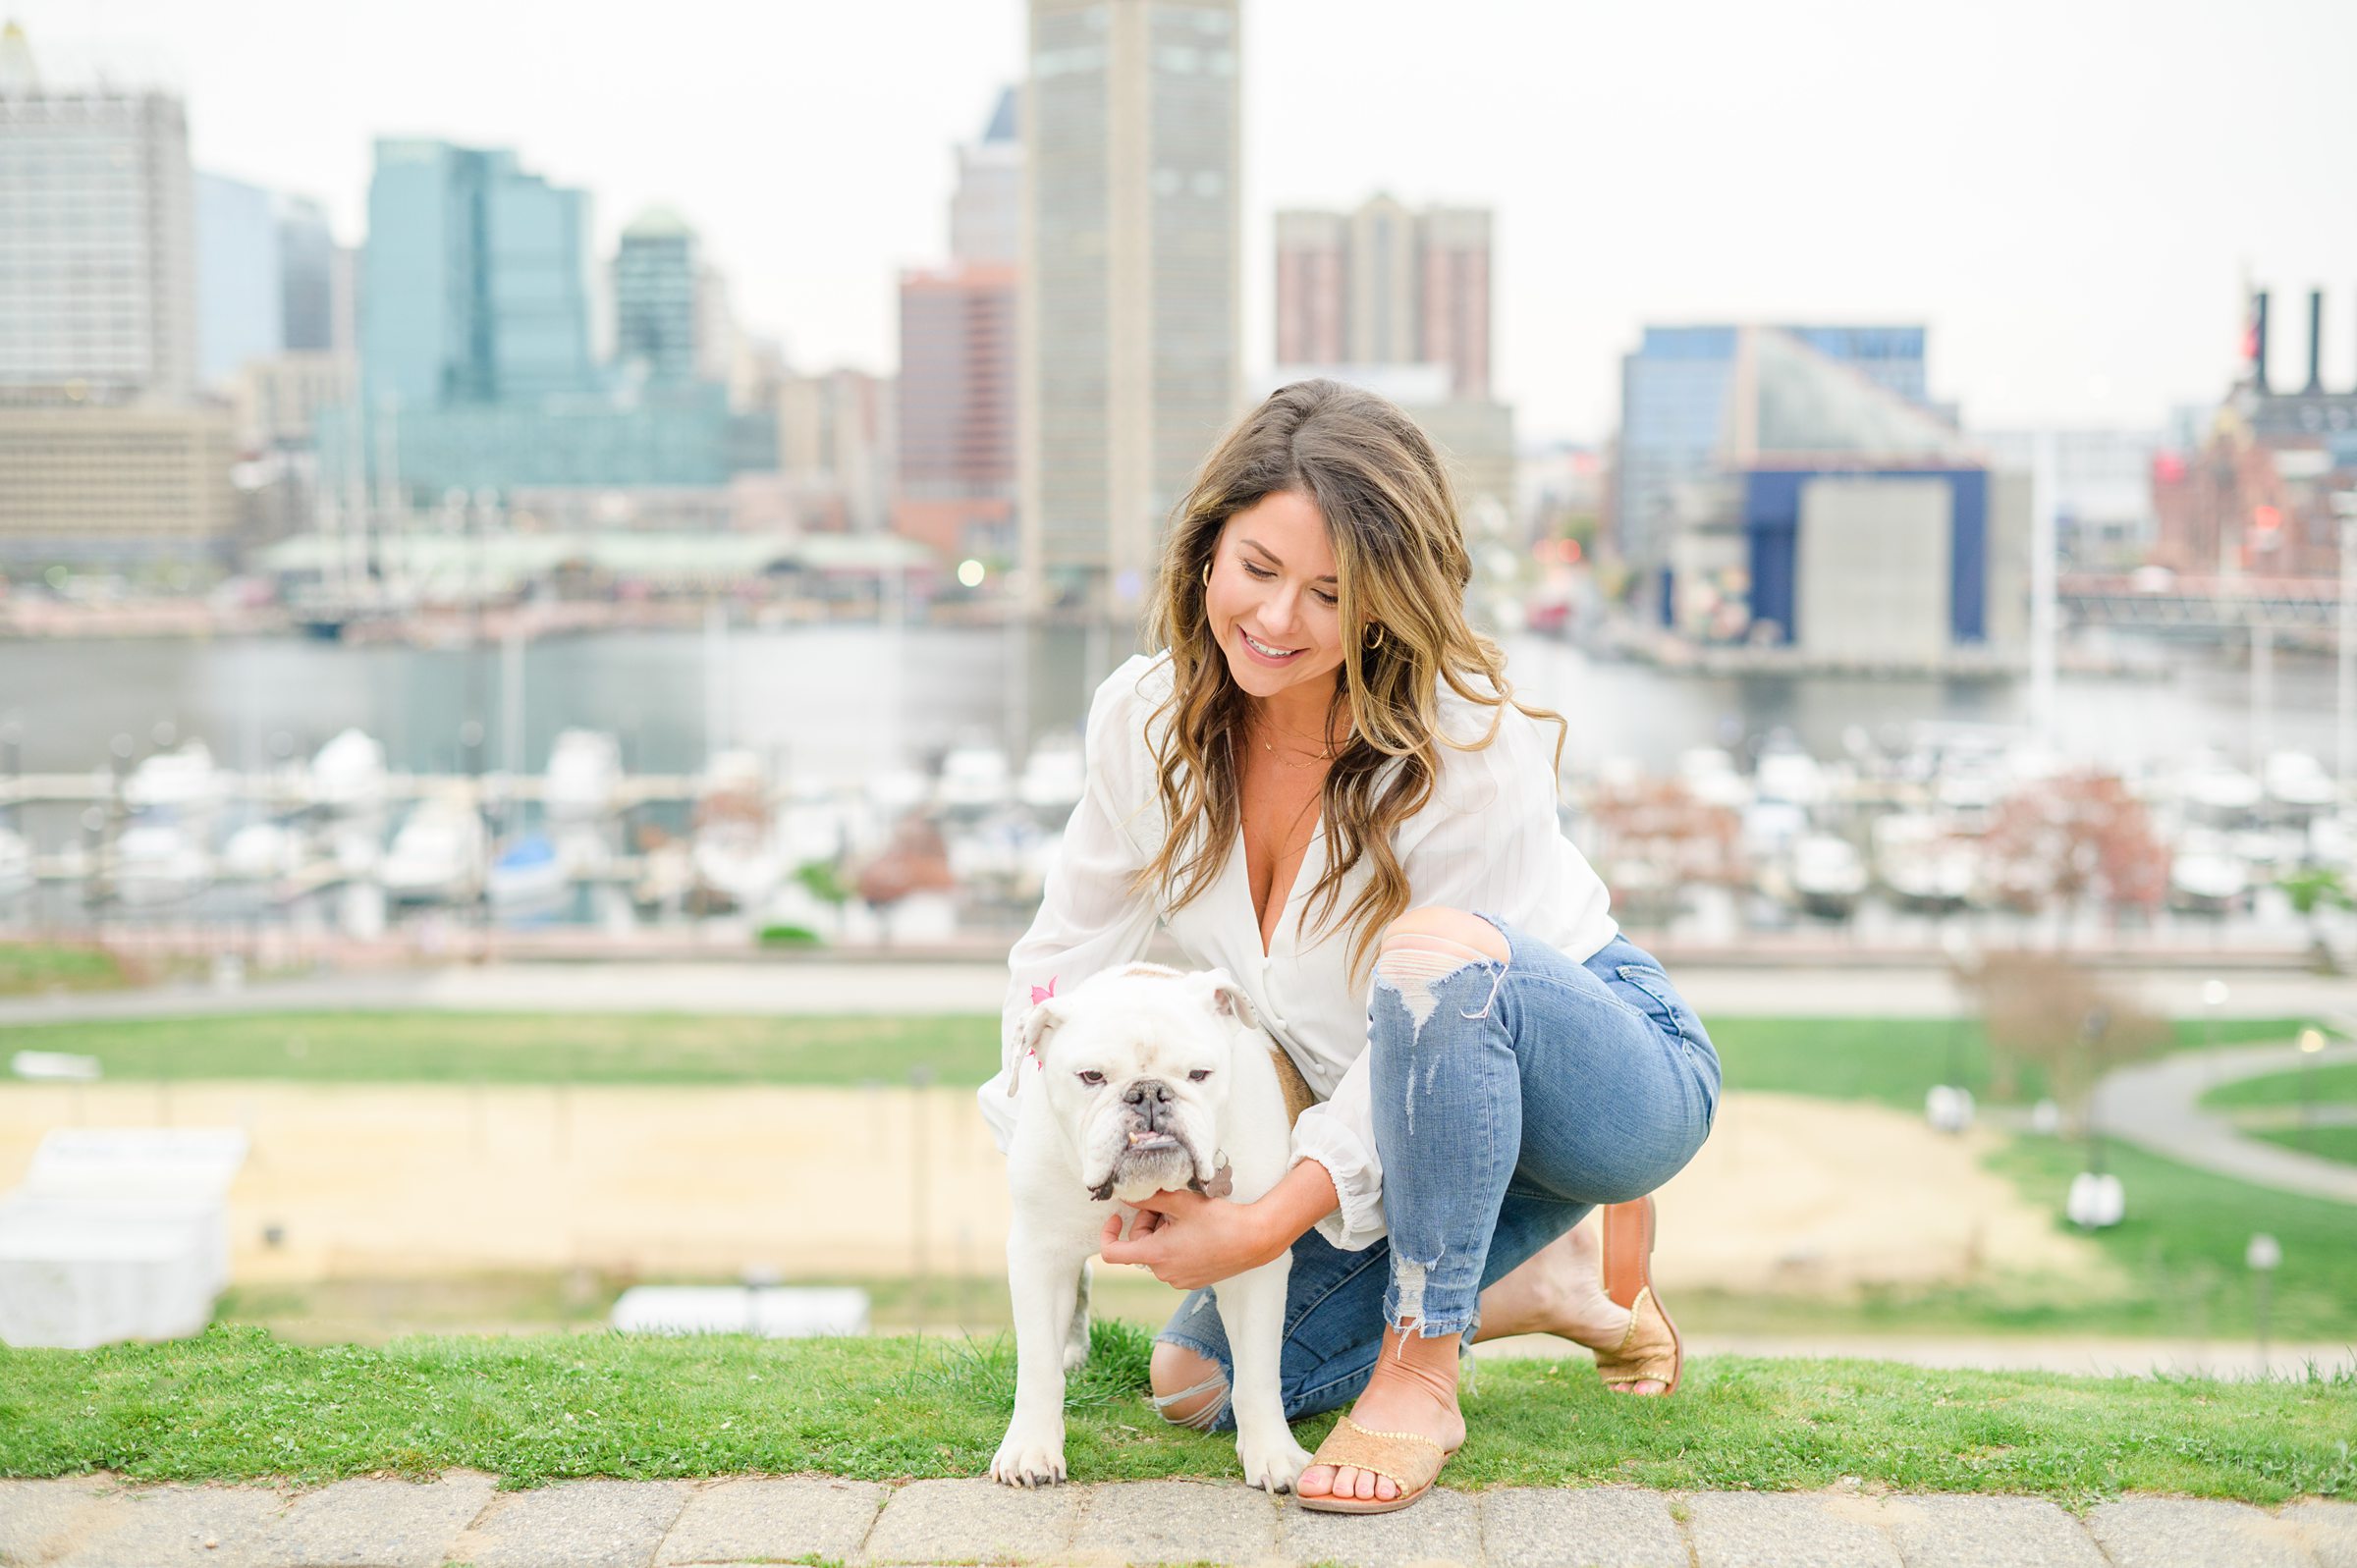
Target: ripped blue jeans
{"points": [[1510, 1100]]}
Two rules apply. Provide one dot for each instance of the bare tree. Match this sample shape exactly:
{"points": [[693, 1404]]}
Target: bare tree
{"points": [[2044, 1009], [2069, 839]]}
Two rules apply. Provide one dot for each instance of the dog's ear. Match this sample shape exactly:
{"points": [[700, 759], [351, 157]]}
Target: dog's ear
{"points": [[1219, 992], [1044, 1019]]}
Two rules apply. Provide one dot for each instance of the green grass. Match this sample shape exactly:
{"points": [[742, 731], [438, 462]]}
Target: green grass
{"points": [[2333, 1085], [237, 1405], [1889, 1060], [2325, 1143], [33, 966], [2173, 1268], [527, 1047], [1895, 1060], [2181, 1248]]}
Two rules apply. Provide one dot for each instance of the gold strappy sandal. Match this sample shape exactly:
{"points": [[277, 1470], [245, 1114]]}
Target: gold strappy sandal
{"points": [[1408, 1460], [1651, 1348]]}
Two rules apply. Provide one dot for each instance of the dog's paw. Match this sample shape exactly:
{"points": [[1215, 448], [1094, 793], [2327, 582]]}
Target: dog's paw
{"points": [[1273, 1465], [1029, 1458], [1076, 1352]]}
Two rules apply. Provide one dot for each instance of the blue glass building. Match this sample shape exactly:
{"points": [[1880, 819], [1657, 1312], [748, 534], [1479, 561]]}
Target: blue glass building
{"points": [[475, 365], [239, 309], [1675, 414], [655, 299], [475, 281]]}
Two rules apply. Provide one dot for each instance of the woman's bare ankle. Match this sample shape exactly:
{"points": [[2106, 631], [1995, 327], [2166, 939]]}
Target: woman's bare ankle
{"points": [[1411, 1389], [1557, 1290]]}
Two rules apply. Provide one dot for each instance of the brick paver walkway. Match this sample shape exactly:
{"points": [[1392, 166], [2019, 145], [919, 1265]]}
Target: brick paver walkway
{"points": [[97, 1522]]}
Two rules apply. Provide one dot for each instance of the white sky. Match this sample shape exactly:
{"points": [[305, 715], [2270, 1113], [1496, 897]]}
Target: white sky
{"points": [[2067, 192]]}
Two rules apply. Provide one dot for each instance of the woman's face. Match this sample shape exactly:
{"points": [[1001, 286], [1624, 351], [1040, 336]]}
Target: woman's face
{"points": [[1273, 583]]}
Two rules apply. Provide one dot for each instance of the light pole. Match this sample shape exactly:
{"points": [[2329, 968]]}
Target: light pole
{"points": [[2214, 997], [1949, 1105], [2312, 1045], [2263, 1257], [2344, 728], [2096, 1199]]}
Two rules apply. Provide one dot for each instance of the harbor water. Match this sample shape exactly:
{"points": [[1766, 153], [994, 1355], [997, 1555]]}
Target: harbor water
{"points": [[841, 703]]}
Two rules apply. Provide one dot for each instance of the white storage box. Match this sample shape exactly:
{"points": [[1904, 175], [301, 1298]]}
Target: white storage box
{"points": [[209, 1217], [73, 1281]]}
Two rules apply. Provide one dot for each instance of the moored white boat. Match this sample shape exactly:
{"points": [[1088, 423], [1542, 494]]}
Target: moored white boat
{"points": [[1827, 875], [159, 862], [584, 776], [527, 877], [438, 854], [348, 773]]}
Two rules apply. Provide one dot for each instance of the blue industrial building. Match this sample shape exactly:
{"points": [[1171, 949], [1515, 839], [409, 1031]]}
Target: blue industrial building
{"points": [[1771, 518], [1805, 493]]}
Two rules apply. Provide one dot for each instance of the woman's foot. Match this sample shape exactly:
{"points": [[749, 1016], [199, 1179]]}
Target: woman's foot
{"points": [[1413, 1388], [1560, 1290]]}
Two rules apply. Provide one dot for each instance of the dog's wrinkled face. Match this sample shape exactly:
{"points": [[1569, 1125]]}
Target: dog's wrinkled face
{"points": [[1136, 1065]]}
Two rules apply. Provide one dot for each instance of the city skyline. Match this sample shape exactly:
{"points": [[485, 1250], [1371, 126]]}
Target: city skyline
{"points": [[2062, 202]]}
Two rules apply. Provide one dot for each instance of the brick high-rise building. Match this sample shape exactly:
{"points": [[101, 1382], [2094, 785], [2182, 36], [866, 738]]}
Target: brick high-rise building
{"points": [[956, 406], [958, 340], [1385, 285], [1312, 276]]}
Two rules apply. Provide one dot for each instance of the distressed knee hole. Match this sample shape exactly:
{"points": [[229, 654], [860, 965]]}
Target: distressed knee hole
{"points": [[1197, 1406], [1411, 965], [1410, 973]]}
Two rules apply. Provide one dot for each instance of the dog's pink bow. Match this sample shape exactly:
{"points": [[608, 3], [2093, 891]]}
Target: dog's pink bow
{"points": [[1040, 994]]}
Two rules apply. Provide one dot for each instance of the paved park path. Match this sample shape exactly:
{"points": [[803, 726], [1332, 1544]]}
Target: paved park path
{"points": [[93, 1522], [2156, 1104]]}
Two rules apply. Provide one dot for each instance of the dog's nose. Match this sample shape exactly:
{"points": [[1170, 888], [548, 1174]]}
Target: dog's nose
{"points": [[1151, 1100]]}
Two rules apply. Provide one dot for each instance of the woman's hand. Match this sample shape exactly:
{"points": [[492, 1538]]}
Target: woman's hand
{"points": [[1190, 1240]]}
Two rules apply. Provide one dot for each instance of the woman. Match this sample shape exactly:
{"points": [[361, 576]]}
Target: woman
{"points": [[1324, 786]]}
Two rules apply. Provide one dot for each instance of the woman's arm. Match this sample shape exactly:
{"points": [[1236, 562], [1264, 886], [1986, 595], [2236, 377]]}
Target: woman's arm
{"points": [[1191, 1241]]}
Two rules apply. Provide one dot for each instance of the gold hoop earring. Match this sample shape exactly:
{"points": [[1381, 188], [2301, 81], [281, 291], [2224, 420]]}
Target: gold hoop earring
{"points": [[1378, 640], [1206, 574]]}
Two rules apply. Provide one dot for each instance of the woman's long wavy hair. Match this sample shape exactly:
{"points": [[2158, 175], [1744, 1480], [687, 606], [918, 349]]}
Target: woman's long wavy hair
{"points": [[1403, 569]]}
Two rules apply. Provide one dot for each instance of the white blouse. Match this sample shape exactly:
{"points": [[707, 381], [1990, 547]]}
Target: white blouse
{"points": [[1487, 839]]}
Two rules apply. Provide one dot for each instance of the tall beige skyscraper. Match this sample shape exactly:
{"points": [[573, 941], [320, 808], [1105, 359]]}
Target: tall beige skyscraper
{"points": [[1132, 285]]}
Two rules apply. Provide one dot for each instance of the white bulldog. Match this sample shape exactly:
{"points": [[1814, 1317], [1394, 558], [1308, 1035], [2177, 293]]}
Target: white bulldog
{"points": [[1143, 1079]]}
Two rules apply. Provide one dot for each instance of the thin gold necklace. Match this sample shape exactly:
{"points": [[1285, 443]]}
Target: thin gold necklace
{"points": [[1313, 757]]}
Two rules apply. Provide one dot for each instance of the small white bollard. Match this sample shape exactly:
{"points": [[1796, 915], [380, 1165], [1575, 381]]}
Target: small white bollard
{"points": [[1947, 1109], [2095, 1202]]}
